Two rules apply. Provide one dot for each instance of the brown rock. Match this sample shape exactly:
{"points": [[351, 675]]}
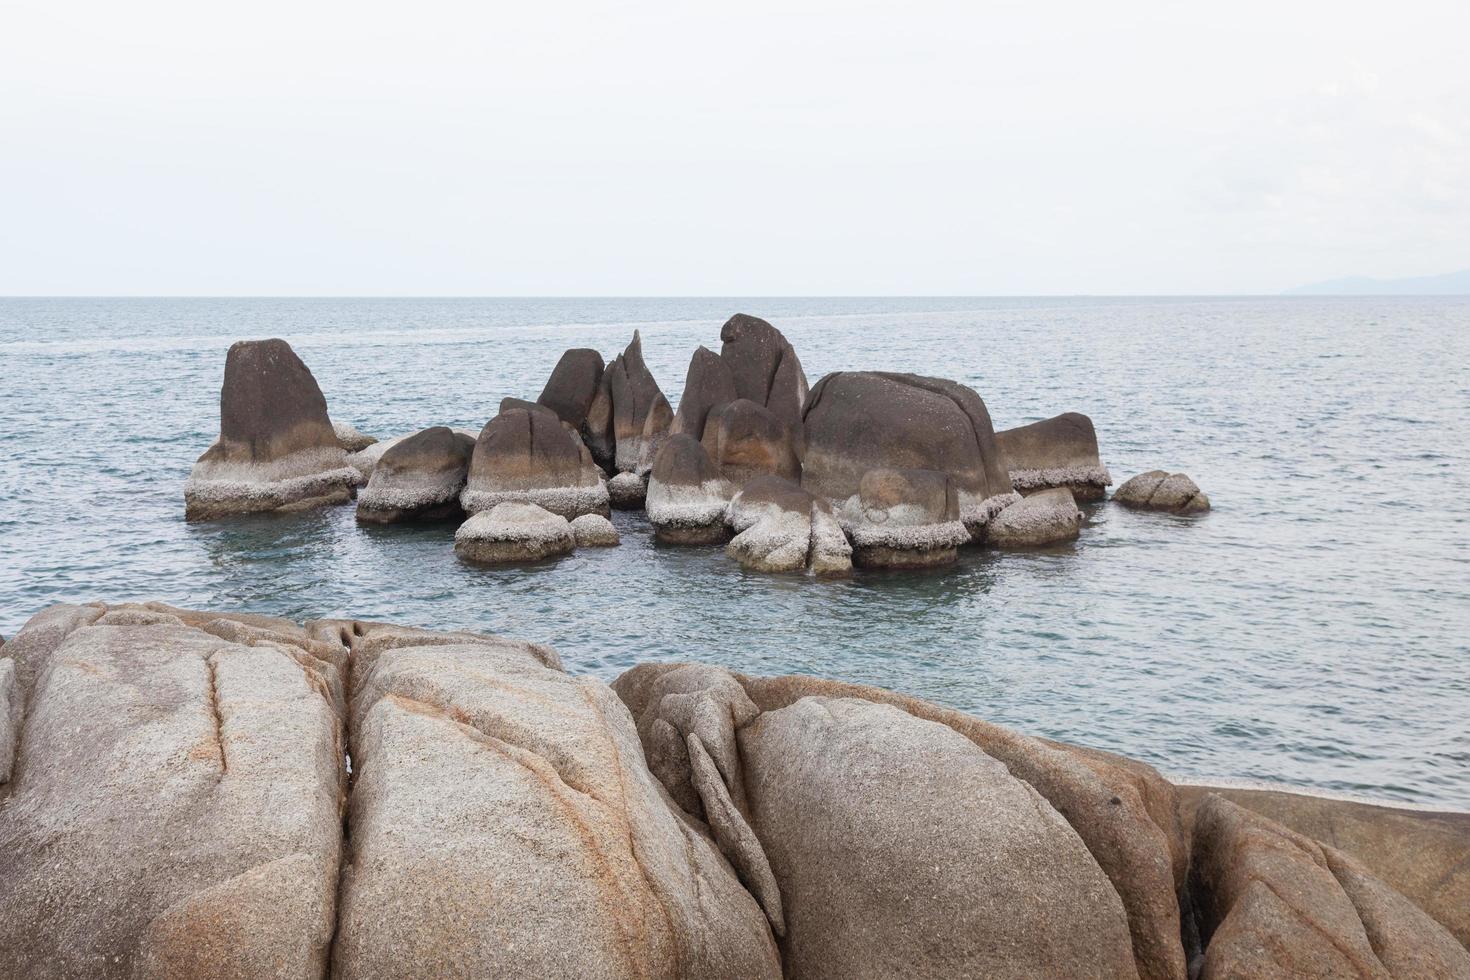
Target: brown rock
{"points": [[746, 441], [904, 519], [766, 370], [779, 527], [572, 388], [514, 532], [529, 457], [707, 385], [639, 410], [350, 439], [418, 478], [1059, 452], [1157, 490], [687, 495]]}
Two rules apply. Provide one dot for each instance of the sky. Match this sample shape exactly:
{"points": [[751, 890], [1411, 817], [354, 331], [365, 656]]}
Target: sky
{"points": [[786, 148]]}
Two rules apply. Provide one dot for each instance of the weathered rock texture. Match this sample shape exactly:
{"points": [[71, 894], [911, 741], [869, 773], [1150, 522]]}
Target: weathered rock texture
{"points": [[766, 370], [572, 389], [350, 439], [640, 413], [707, 385], [418, 478], [904, 519], [1157, 490], [863, 420], [779, 527], [555, 853], [531, 457], [1055, 452], [513, 532], [277, 449], [687, 496], [1041, 518], [594, 531], [175, 805], [746, 440]]}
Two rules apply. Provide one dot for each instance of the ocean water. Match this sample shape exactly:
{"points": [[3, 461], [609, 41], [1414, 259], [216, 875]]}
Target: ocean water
{"points": [[1313, 629]]}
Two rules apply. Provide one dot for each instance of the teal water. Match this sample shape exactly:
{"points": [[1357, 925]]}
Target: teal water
{"points": [[1314, 628]]}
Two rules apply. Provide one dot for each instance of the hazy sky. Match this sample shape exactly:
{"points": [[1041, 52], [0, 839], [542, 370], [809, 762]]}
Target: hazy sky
{"points": [[436, 148]]}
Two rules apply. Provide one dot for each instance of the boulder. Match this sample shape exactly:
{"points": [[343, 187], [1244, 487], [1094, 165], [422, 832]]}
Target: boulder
{"points": [[1055, 452], [902, 849], [627, 491], [1157, 490], [507, 404], [779, 527], [529, 456], [766, 370], [746, 440], [418, 478], [687, 496], [513, 531], [904, 519], [1044, 517], [1273, 903], [350, 439], [572, 389], [175, 806], [858, 421], [707, 385], [365, 460], [504, 825], [594, 531], [277, 449], [640, 413]]}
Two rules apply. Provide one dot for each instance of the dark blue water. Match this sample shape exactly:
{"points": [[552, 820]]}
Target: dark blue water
{"points": [[1312, 629]]}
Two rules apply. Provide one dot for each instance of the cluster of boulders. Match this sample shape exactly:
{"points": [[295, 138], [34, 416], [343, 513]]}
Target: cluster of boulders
{"points": [[206, 795], [865, 468]]}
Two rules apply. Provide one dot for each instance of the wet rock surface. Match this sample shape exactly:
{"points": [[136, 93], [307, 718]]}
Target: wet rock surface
{"points": [[1036, 520], [529, 456], [779, 527]]}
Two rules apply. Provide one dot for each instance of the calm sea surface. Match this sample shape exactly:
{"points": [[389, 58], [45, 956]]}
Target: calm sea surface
{"points": [[1314, 628]]}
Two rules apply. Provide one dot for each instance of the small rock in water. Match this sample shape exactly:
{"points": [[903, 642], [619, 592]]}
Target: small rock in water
{"points": [[1043, 518], [1158, 490], [594, 531], [418, 478], [513, 532]]}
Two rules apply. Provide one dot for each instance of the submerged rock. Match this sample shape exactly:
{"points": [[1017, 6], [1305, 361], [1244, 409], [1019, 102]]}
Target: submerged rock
{"points": [[904, 519], [779, 527], [1055, 453], [529, 456], [277, 449], [1157, 490], [1045, 517], [747, 441], [865, 420], [513, 531], [350, 439], [418, 478], [687, 496], [594, 531]]}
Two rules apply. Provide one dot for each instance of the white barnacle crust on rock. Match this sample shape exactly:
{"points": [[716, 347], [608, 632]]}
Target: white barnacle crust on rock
{"points": [[513, 531], [687, 496], [1043, 518]]}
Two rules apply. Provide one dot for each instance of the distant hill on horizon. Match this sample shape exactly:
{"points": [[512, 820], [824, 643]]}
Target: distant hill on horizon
{"points": [[1448, 284]]}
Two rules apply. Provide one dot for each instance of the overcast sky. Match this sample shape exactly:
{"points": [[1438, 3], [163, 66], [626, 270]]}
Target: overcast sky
{"points": [[436, 148]]}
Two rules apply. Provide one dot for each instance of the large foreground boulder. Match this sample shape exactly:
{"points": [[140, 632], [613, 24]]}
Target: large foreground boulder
{"points": [[504, 825], [904, 519], [858, 421], [687, 495], [513, 532], [175, 805], [779, 527], [529, 456], [418, 478], [1175, 493], [1058, 452], [277, 449], [766, 370], [1042, 518]]}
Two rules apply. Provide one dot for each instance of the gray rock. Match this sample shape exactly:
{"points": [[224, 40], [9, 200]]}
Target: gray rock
{"points": [[511, 532], [782, 528], [531, 457], [639, 411], [707, 385], [594, 531], [1044, 517], [572, 389], [627, 491], [766, 370], [350, 439], [1157, 490], [277, 449], [12, 708], [687, 496], [1055, 452], [746, 440], [865, 420], [904, 519], [418, 478]]}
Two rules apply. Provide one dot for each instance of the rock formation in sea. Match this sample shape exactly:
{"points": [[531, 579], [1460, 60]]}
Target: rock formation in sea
{"points": [[779, 527], [181, 804], [529, 455], [1159, 490], [418, 478], [1043, 517], [687, 495], [350, 439], [571, 392], [512, 532], [856, 421], [707, 385], [641, 415], [1055, 452], [904, 519], [766, 370], [746, 440], [277, 449]]}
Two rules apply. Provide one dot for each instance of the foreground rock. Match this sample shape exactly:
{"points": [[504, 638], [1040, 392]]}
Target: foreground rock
{"points": [[864, 420], [528, 456], [513, 532], [504, 825], [905, 519], [1273, 903], [418, 478], [687, 495], [1058, 452], [277, 449], [1044, 517], [779, 527], [1157, 490], [175, 807]]}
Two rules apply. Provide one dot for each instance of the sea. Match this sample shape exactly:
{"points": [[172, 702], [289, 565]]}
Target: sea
{"points": [[1312, 629]]}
